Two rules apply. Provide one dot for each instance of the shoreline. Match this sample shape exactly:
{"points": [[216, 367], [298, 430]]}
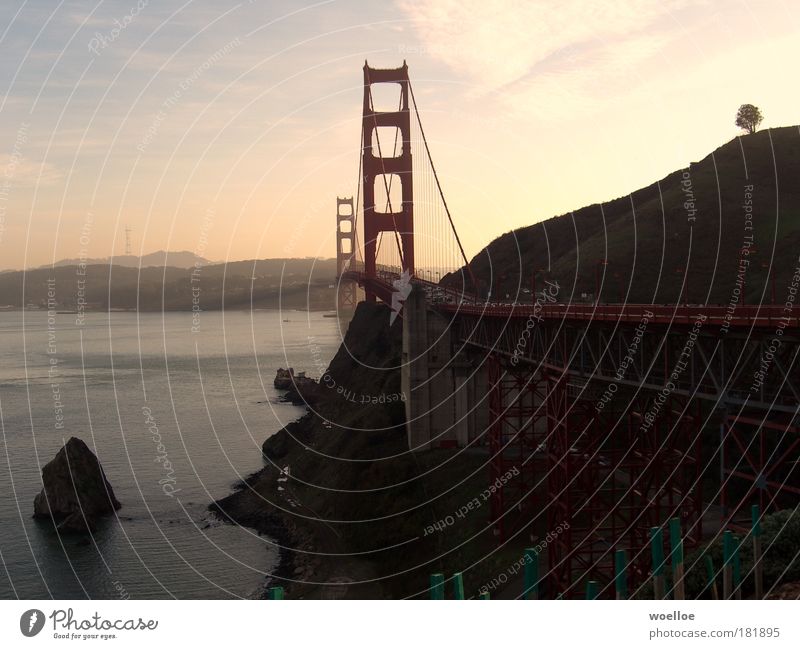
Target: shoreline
{"points": [[247, 507], [264, 523]]}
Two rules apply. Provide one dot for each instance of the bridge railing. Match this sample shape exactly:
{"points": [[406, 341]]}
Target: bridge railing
{"points": [[744, 316], [450, 299]]}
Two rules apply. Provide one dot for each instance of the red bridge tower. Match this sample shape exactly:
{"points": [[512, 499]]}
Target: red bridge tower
{"points": [[382, 170], [347, 295]]}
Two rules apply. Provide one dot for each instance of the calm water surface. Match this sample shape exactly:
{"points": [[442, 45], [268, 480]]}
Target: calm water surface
{"points": [[112, 379]]}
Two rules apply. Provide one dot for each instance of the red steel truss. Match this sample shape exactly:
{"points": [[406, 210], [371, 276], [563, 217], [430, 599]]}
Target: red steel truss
{"points": [[604, 478], [612, 477], [517, 431], [760, 456]]}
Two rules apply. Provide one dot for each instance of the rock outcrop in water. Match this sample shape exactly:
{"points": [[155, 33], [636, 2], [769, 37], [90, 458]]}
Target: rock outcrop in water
{"points": [[300, 390], [304, 392], [283, 378], [76, 493]]}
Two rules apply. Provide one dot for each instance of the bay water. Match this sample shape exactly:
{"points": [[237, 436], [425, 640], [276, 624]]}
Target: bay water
{"points": [[176, 407]]}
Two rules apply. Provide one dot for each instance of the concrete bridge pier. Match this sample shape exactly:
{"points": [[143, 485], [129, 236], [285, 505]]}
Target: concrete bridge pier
{"points": [[443, 387]]}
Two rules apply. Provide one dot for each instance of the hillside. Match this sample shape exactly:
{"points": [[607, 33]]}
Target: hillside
{"points": [[694, 219], [264, 283]]}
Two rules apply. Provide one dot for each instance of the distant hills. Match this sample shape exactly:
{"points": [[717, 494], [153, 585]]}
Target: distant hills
{"points": [[176, 259], [257, 283], [695, 222]]}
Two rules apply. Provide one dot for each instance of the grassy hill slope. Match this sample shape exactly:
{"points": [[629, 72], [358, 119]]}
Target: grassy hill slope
{"points": [[691, 223]]}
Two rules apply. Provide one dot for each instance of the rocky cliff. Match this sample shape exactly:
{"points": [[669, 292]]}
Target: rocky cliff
{"points": [[340, 488]]}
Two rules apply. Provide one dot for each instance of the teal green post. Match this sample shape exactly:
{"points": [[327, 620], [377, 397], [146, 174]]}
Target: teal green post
{"points": [[727, 564], [484, 595], [657, 550], [676, 542], [437, 585], [755, 514], [727, 548], [276, 592], [592, 589], [531, 574], [620, 575], [737, 568], [676, 552], [458, 585]]}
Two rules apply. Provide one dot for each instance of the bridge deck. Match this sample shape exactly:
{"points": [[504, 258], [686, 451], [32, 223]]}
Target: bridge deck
{"points": [[449, 300]]}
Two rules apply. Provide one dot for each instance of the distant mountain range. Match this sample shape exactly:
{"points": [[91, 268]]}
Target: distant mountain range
{"points": [[173, 259], [255, 283]]}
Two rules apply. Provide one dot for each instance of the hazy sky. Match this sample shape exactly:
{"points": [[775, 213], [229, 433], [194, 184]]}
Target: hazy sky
{"points": [[229, 129]]}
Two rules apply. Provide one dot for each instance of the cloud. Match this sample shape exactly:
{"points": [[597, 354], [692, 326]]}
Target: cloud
{"points": [[567, 50], [502, 41], [17, 170]]}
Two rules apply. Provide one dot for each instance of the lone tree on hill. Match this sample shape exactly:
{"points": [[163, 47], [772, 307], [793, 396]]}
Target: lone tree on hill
{"points": [[748, 117]]}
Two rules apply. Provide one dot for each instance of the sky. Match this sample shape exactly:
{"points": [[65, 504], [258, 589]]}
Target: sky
{"points": [[228, 129]]}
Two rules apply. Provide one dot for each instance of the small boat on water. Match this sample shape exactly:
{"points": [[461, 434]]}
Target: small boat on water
{"points": [[330, 315]]}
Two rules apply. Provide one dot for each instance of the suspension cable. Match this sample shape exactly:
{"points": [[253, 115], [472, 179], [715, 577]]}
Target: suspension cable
{"points": [[439, 186], [358, 198]]}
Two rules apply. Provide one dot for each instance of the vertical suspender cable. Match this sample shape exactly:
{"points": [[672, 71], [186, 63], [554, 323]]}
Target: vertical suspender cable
{"points": [[358, 197], [441, 193]]}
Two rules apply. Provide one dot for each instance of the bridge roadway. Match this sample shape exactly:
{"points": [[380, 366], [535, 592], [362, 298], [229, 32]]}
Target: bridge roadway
{"points": [[734, 357], [737, 356], [749, 316]]}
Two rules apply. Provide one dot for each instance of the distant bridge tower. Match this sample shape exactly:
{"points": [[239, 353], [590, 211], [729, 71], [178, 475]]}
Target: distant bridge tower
{"points": [[347, 295], [382, 171]]}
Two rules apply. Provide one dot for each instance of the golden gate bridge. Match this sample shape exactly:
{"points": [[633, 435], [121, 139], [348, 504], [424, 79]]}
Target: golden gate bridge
{"points": [[616, 417]]}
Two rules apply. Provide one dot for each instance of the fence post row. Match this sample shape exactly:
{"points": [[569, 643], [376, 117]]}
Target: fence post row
{"points": [[731, 568]]}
